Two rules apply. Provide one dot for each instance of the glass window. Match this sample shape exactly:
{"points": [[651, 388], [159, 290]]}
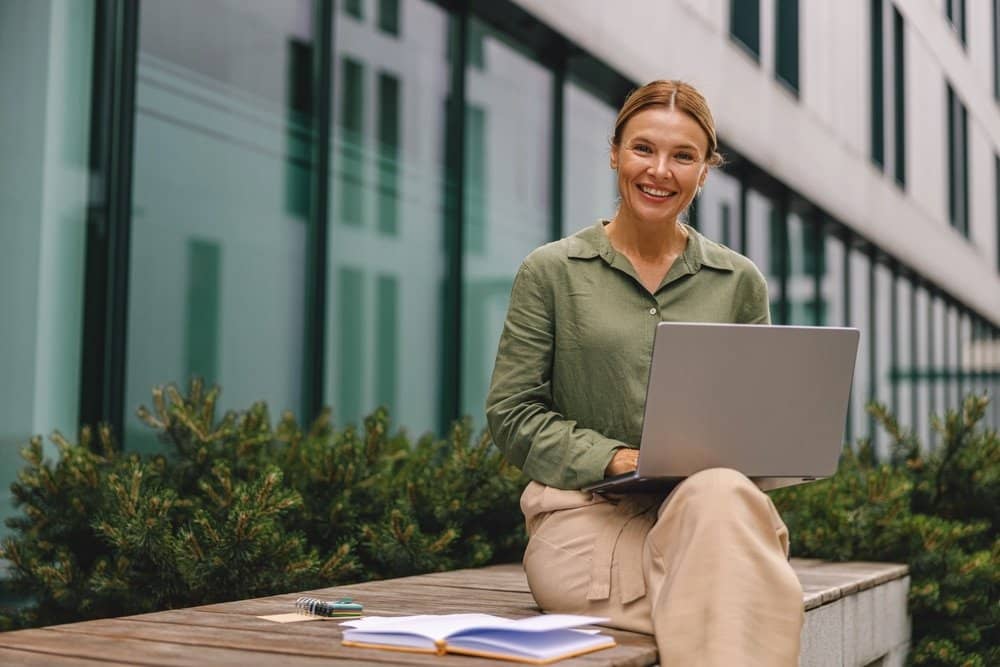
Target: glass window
{"points": [[883, 352], [832, 294], [937, 361], [922, 422], [385, 315], [786, 63], [903, 370], [719, 209], [899, 95], [958, 163], [507, 209], [590, 189], [964, 350], [764, 246], [744, 24], [46, 49], [951, 357], [223, 162], [859, 317], [388, 16], [803, 263], [354, 8], [877, 78]]}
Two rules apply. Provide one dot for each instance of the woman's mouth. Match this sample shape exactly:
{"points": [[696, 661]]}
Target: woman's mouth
{"points": [[655, 194]]}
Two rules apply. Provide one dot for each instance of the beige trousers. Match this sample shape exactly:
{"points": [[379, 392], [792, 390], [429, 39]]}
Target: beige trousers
{"points": [[706, 570]]}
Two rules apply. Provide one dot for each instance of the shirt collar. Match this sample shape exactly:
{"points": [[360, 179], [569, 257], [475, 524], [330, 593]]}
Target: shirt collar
{"points": [[593, 242]]}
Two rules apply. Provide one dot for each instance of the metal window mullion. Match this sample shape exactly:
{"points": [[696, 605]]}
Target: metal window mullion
{"points": [[109, 215], [819, 260], [847, 319], [785, 259], [914, 371], [452, 315], [317, 254], [744, 189], [931, 383], [557, 162], [872, 340], [894, 339]]}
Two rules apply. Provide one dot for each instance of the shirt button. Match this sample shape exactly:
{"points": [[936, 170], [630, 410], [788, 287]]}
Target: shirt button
{"points": [[652, 311]]}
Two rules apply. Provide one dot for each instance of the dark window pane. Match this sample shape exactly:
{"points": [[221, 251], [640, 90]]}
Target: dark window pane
{"points": [[899, 99], [744, 24], [787, 56], [354, 8], [388, 16], [877, 86], [388, 153], [352, 150]]}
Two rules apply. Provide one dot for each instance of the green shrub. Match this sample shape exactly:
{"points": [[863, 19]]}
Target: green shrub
{"points": [[238, 507], [937, 511]]}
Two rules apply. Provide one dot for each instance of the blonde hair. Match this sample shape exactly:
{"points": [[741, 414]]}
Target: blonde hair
{"points": [[672, 95]]}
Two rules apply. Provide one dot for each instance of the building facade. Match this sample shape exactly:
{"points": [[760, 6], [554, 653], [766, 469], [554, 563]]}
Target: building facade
{"points": [[317, 203]]}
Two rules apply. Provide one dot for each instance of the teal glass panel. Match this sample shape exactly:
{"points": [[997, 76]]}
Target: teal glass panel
{"points": [[350, 340], [46, 51], [938, 362], [387, 333], [388, 153], [590, 189], [223, 152], [201, 339], [508, 209], [352, 149], [387, 264]]}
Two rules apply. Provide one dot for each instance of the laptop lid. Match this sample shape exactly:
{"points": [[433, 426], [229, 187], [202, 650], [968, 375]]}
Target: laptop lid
{"points": [[769, 401]]}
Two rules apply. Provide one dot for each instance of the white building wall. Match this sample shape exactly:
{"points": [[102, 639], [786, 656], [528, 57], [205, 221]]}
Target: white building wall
{"points": [[819, 146]]}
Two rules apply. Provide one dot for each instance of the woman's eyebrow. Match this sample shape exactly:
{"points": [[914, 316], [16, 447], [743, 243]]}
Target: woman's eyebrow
{"points": [[684, 145]]}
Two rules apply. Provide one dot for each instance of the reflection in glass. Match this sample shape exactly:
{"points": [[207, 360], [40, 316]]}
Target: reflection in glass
{"points": [[936, 362], [223, 161], [507, 207], [590, 189], [46, 49], [387, 218]]}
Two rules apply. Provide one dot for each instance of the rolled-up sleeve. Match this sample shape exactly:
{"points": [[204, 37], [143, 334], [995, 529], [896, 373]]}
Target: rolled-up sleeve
{"points": [[522, 419]]}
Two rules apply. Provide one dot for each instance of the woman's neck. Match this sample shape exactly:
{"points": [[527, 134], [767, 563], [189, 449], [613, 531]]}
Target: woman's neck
{"points": [[644, 240]]}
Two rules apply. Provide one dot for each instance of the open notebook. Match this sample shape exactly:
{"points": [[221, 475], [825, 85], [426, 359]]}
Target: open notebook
{"points": [[537, 639]]}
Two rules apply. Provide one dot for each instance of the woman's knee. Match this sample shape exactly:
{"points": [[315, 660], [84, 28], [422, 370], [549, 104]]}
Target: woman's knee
{"points": [[715, 488]]}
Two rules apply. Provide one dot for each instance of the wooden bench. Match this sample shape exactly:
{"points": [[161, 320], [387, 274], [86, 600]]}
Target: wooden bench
{"points": [[855, 615]]}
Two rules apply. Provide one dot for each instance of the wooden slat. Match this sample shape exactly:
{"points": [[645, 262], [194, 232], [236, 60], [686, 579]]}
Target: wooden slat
{"points": [[230, 634], [16, 658]]}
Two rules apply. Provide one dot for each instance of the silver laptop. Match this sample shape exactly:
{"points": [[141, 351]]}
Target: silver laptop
{"points": [[769, 401]]}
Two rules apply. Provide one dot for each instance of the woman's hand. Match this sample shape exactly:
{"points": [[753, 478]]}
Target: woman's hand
{"points": [[625, 460]]}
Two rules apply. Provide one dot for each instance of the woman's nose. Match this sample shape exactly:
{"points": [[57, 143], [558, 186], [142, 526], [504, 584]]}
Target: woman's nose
{"points": [[661, 167]]}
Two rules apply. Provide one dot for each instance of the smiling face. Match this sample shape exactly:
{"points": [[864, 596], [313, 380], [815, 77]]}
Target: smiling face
{"points": [[661, 164]]}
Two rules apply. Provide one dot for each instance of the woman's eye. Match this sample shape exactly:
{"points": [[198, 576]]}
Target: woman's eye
{"points": [[643, 148], [685, 157]]}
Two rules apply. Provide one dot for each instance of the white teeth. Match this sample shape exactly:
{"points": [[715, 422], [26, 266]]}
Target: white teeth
{"points": [[653, 191]]}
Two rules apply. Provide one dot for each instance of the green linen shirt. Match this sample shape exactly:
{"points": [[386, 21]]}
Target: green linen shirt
{"points": [[569, 384]]}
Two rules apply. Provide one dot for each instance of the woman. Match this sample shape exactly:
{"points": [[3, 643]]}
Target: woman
{"points": [[705, 570]]}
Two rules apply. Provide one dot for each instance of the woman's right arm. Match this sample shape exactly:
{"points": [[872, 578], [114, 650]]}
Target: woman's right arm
{"points": [[546, 445]]}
